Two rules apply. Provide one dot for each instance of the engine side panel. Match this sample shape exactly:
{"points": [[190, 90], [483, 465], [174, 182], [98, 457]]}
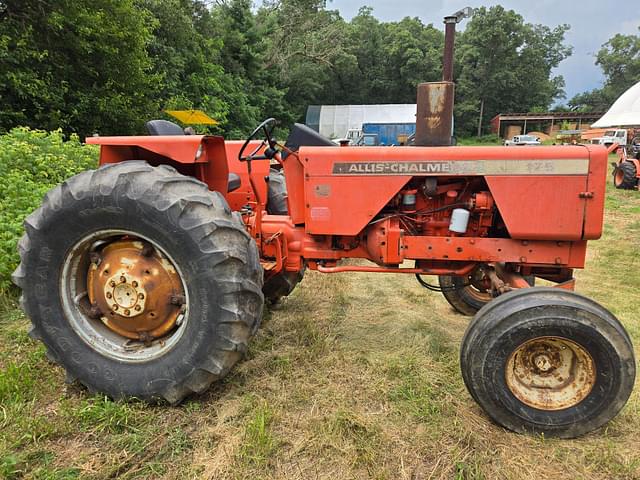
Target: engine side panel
{"points": [[540, 208], [539, 191]]}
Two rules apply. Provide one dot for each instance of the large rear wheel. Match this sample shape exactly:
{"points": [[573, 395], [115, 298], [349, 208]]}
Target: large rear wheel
{"points": [[550, 361], [140, 281]]}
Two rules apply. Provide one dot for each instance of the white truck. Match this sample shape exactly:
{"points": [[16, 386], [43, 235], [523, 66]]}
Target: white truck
{"points": [[520, 140], [619, 136]]}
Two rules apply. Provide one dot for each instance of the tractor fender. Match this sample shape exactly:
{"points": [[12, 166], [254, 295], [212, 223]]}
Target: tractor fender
{"points": [[200, 156], [208, 158]]}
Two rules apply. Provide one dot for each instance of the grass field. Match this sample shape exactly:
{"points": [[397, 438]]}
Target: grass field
{"points": [[353, 376]]}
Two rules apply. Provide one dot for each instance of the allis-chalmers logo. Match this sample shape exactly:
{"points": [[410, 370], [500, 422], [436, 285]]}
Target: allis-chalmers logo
{"points": [[558, 166], [390, 168]]}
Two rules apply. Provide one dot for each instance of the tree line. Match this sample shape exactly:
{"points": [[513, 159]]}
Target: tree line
{"points": [[107, 66]]}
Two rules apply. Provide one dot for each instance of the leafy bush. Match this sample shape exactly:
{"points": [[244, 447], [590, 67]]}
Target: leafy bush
{"points": [[31, 163]]}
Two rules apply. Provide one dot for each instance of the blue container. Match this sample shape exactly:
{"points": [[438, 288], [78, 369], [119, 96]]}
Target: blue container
{"points": [[389, 133]]}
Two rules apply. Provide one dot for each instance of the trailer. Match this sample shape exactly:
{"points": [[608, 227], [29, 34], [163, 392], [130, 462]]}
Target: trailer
{"points": [[374, 134]]}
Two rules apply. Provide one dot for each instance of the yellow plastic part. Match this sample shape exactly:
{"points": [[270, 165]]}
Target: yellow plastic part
{"points": [[192, 117]]}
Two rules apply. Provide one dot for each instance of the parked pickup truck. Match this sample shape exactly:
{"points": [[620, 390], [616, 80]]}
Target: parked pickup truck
{"points": [[522, 140], [619, 136]]}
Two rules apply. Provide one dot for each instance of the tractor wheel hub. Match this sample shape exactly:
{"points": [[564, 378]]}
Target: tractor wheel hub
{"points": [[134, 290], [125, 295], [550, 373]]}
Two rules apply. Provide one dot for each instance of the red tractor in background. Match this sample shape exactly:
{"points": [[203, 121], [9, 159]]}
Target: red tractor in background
{"points": [[626, 171], [146, 277]]}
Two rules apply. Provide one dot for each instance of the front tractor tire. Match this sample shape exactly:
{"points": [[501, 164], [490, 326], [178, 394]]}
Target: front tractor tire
{"points": [[625, 176], [140, 282], [547, 361]]}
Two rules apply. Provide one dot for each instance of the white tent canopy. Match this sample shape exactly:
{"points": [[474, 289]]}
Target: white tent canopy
{"points": [[624, 112]]}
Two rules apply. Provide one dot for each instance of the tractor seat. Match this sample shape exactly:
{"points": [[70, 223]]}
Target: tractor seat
{"points": [[164, 127], [234, 182]]}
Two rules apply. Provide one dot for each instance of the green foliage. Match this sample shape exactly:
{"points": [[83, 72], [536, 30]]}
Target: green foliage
{"points": [[31, 163], [505, 65], [17, 382], [103, 415], [110, 65], [79, 65], [378, 62]]}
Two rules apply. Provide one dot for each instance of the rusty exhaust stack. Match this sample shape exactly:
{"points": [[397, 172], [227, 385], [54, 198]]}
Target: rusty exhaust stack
{"points": [[434, 118]]}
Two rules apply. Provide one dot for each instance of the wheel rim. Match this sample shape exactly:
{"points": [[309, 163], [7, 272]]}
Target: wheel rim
{"points": [[479, 295], [479, 287], [124, 295], [550, 373]]}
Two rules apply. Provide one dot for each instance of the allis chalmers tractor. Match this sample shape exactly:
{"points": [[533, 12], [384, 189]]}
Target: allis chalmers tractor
{"points": [[146, 277]]}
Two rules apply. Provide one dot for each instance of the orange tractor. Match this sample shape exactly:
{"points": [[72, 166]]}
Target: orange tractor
{"points": [[626, 171], [146, 277]]}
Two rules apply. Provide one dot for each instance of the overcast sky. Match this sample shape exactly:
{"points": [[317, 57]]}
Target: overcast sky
{"points": [[592, 22]]}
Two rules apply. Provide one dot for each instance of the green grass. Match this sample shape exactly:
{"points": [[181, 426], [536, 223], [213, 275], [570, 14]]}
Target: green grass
{"points": [[258, 443], [490, 139], [102, 415]]}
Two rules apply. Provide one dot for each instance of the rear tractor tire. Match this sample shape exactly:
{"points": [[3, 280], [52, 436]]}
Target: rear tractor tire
{"points": [[547, 361], [277, 193], [140, 281], [625, 176], [282, 284]]}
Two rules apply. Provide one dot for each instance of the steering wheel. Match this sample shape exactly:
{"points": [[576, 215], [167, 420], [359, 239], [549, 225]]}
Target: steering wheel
{"points": [[267, 127]]}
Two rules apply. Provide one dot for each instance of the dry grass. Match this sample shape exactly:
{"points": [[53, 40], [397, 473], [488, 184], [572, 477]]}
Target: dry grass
{"points": [[354, 376]]}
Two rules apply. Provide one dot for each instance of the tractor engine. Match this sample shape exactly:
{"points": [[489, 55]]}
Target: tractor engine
{"points": [[423, 207]]}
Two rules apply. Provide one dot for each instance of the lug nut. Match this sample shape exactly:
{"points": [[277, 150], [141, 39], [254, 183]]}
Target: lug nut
{"points": [[94, 257], [112, 283], [115, 306], [134, 284], [177, 300], [123, 280], [141, 296], [127, 312], [94, 311], [109, 295], [137, 308]]}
